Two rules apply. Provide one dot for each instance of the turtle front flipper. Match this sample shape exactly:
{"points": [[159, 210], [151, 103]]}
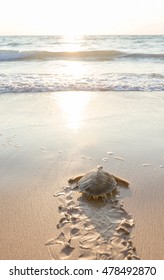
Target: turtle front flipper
{"points": [[121, 181]]}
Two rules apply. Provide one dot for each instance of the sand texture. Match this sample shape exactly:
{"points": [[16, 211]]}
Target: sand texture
{"points": [[47, 138], [92, 229]]}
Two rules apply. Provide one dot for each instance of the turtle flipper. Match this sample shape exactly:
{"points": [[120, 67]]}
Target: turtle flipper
{"points": [[75, 179], [121, 181], [73, 182]]}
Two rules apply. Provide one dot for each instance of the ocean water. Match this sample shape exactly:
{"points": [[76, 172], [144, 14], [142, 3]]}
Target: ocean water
{"points": [[84, 63]]}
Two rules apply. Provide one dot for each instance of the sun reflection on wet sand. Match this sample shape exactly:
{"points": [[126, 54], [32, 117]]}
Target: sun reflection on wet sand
{"points": [[73, 105]]}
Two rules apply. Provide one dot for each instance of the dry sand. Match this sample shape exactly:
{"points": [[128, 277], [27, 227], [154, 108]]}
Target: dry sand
{"points": [[47, 138]]}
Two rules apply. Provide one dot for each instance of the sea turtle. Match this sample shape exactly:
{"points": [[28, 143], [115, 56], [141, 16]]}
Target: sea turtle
{"points": [[97, 183]]}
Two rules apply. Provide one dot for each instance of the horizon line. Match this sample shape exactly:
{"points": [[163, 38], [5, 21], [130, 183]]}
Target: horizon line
{"points": [[80, 35]]}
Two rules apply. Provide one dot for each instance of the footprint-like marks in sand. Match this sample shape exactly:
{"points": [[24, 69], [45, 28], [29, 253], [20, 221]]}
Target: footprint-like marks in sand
{"points": [[92, 229]]}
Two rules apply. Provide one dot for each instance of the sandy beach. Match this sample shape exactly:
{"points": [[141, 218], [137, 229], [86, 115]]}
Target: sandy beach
{"points": [[46, 138]]}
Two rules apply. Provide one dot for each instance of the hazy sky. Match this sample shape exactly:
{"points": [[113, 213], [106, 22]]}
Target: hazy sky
{"points": [[71, 17]]}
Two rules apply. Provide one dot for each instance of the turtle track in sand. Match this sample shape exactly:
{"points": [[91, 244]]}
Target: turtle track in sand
{"points": [[92, 229]]}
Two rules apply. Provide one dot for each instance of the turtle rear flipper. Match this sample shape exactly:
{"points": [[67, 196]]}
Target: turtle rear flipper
{"points": [[75, 179], [73, 182]]}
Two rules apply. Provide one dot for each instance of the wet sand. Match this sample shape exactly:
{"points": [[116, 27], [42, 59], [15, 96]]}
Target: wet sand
{"points": [[47, 138]]}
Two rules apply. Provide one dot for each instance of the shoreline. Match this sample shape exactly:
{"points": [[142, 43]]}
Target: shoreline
{"points": [[47, 138]]}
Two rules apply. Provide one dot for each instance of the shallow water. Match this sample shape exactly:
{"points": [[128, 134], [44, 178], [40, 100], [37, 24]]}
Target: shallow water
{"points": [[86, 63]]}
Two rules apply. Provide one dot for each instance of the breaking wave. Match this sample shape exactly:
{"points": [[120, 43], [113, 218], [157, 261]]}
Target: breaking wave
{"points": [[19, 83], [94, 55]]}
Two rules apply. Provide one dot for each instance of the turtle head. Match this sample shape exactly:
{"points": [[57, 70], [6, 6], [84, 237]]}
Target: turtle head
{"points": [[99, 167]]}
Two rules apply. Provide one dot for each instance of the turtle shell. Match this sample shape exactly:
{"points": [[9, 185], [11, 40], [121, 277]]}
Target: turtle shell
{"points": [[97, 183]]}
